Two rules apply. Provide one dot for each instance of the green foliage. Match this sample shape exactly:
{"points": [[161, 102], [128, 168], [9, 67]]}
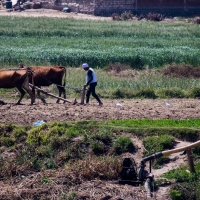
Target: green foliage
{"points": [[146, 93], [156, 144], [8, 142], [45, 151], [20, 133], [155, 17], [50, 164], [123, 17], [185, 191], [195, 92], [97, 147], [6, 129], [45, 180], [187, 184], [179, 123], [175, 194], [171, 93], [123, 144], [123, 93], [37, 163], [196, 151], [72, 196]]}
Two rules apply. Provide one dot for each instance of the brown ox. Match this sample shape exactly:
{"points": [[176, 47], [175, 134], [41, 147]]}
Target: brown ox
{"points": [[47, 75], [16, 78]]}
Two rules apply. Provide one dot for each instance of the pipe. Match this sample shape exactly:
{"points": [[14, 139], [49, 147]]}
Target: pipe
{"points": [[147, 186], [168, 152]]}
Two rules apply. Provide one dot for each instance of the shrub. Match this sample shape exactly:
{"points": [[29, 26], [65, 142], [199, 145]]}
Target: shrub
{"points": [[123, 93], [118, 93], [195, 92], [196, 151], [141, 16], [123, 144], [116, 17], [171, 93], [19, 132], [155, 17], [97, 147], [175, 194], [179, 71], [146, 93], [8, 142], [155, 144], [183, 191], [117, 67], [124, 16]]}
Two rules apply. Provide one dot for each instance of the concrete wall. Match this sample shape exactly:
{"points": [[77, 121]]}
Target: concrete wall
{"points": [[169, 8], [165, 7]]}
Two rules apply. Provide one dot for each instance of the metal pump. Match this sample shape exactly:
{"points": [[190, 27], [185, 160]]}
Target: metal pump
{"points": [[128, 170]]}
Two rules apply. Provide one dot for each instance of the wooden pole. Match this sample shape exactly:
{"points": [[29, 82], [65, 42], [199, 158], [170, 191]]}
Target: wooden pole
{"points": [[52, 95], [83, 95], [190, 160]]}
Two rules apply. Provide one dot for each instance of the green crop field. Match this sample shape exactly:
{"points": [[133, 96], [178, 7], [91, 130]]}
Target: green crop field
{"points": [[69, 42]]}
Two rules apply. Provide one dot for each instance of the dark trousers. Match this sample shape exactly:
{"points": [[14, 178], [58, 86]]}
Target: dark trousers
{"points": [[90, 90]]}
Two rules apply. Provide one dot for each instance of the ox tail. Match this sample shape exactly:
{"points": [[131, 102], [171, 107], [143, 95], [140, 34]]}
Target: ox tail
{"points": [[64, 76]]}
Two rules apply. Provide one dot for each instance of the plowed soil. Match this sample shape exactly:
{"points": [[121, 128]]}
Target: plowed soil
{"points": [[26, 114]]}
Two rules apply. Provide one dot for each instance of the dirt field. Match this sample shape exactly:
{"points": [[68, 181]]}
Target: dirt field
{"points": [[131, 109]]}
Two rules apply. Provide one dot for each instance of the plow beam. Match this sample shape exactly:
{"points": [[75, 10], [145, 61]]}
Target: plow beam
{"points": [[52, 95]]}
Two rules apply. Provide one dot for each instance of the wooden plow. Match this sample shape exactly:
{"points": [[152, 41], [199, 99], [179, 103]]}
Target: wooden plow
{"points": [[52, 95]]}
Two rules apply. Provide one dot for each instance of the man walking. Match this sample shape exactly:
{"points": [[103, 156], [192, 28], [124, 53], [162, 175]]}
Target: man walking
{"points": [[91, 81]]}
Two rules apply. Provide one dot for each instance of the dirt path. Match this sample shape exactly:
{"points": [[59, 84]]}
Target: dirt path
{"points": [[50, 13]]}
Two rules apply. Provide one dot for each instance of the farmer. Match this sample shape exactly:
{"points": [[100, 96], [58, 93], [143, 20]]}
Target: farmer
{"points": [[91, 81]]}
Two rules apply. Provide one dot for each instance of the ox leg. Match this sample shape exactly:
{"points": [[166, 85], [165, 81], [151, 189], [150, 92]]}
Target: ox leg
{"points": [[22, 93], [61, 90], [38, 95], [32, 96]]}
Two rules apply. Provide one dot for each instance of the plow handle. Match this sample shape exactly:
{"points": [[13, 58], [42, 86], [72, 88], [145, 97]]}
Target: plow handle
{"points": [[83, 95]]}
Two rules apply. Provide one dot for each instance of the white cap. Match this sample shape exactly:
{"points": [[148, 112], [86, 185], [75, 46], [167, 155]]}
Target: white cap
{"points": [[85, 65]]}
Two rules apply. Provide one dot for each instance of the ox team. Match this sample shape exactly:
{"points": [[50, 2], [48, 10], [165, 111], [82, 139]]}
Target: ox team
{"points": [[91, 81], [45, 76]]}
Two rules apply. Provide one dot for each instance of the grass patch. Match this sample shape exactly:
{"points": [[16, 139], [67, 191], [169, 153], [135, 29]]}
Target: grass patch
{"points": [[155, 144], [187, 184]]}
